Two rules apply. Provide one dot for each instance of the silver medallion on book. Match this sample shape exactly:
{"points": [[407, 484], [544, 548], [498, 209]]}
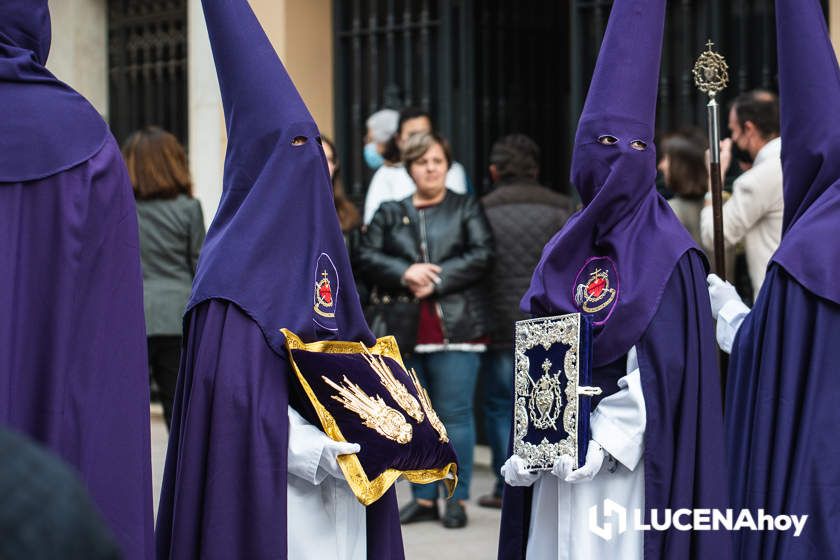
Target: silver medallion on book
{"points": [[548, 393]]}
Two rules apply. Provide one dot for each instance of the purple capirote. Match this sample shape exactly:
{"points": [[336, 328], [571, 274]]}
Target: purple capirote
{"points": [[274, 258], [623, 217], [809, 90], [73, 369]]}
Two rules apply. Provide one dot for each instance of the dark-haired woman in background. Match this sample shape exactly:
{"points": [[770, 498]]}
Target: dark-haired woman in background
{"points": [[171, 235], [683, 166]]}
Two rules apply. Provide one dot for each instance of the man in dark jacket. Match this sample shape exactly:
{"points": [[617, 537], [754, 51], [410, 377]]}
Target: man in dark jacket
{"points": [[523, 216]]}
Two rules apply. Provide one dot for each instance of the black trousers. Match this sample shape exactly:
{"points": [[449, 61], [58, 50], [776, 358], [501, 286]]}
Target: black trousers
{"points": [[164, 360]]}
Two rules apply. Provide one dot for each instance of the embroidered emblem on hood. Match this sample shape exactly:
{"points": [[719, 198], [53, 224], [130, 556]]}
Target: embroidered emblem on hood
{"points": [[325, 296], [596, 288]]}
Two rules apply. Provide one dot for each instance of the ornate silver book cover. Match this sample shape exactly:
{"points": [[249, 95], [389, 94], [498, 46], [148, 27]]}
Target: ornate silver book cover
{"points": [[552, 399]]}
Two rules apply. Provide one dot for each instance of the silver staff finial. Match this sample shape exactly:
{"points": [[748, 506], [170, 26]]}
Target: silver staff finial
{"points": [[711, 73]]}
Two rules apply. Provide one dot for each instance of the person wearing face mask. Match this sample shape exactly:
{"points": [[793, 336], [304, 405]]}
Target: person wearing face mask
{"points": [[392, 182], [626, 263], [381, 127], [754, 211], [432, 250]]}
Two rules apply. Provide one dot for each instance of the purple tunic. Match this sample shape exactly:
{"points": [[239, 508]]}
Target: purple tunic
{"points": [[683, 456], [224, 488], [782, 416], [73, 372], [782, 398]]}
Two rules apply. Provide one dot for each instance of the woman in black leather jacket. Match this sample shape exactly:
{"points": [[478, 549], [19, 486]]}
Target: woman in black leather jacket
{"points": [[426, 257]]}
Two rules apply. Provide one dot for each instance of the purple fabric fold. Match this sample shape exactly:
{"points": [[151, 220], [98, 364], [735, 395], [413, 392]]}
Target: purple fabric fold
{"points": [[781, 419], [683, 457], [73, 370]]}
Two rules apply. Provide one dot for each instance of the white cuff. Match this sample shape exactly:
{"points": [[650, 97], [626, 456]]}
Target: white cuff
{"points": [[618, 423], [627, 448], [730, 318]]}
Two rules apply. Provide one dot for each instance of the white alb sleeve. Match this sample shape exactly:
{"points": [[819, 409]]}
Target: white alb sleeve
{"points": [[618, 422], [306, 444]]}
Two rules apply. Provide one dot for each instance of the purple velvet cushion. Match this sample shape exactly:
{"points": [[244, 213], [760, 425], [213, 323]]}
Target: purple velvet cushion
{"points": [[365, 396]]}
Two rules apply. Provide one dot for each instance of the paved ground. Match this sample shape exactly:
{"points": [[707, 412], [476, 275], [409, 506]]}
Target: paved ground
{"points": [[423, 541]]}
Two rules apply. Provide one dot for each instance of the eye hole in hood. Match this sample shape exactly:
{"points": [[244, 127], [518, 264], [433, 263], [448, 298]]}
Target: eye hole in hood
{"points": [[638, 145], [607, 140]]}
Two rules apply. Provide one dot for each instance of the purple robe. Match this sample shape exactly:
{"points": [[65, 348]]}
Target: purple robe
{"points": [[274, 258], [781, 419], [683, 457], [782, 395], [73, 373], [231, 414]]}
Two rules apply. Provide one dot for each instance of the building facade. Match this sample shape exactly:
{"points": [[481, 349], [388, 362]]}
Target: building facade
{"points": [[484, 68]]}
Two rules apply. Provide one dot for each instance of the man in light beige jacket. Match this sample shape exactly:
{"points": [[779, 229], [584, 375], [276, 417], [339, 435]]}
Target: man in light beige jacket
{"points": [[754, 211]]}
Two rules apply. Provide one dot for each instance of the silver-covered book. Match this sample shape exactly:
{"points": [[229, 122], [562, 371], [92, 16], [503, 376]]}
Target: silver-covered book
{"points": [[552, 393]]}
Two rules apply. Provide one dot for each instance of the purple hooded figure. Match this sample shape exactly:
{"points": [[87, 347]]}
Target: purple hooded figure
{"points": [[626, 262], [782, 397], [73, 372], [245, 475]]}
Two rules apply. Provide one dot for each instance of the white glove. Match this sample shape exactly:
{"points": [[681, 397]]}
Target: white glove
{"points": [[329, 456], [594, 459], [563, 467], [720, 293], [516, 474]]}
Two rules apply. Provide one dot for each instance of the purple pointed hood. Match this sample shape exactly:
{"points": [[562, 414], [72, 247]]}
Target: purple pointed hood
{"points": [[26, 24], [613, 258], [38, 109], [275, 247], [809, 84]]}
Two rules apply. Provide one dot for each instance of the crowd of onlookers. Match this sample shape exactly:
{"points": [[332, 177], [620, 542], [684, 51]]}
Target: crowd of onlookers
{"points": [[442, 269]]}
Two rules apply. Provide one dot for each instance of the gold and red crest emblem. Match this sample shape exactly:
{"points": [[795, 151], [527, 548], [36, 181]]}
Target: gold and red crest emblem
{"points": [[596, 289], [324, 303]]}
